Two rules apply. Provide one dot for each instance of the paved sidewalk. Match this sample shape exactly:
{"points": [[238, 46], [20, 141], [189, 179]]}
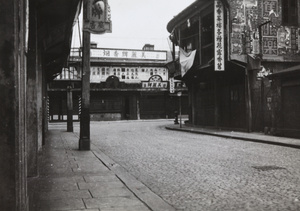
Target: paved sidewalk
{"points": [[86, 180], [254, 137]]}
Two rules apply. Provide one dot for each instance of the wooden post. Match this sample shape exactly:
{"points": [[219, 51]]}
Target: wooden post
{"points": [[84, 141], [173, 52], [217, 104], [262, 84], [31, 97], [248, 100], [138, 113], [180, 118], [70, 109], [192, 98], [44, 107]]}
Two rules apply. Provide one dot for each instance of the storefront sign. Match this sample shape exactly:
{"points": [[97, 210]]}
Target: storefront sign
{"points": [[255, 46], [284, 39], [172, 85], [251, 3], [128, 54], [219, 36], [155, 85], [180, 85], [97, 19]]}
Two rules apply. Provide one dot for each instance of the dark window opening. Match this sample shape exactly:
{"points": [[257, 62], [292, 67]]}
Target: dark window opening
{"points": [[207, 38], [190, 36], [290, 12]]}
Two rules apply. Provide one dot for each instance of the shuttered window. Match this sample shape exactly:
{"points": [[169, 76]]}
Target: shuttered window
{"points": [[290, 12]]}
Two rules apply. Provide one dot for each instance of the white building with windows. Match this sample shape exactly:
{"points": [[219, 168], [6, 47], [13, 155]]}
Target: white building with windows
{"points": [[125, 84]]}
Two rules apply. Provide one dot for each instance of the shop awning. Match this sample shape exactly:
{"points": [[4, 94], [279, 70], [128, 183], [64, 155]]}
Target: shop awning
{"points": [[208, 70], [55, 24], [295, 70], [198, 6]]}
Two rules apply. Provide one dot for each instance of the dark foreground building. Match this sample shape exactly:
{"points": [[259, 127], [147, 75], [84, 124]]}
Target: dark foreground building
{"points": [[35, 37], [246, 65], [125, 84]]}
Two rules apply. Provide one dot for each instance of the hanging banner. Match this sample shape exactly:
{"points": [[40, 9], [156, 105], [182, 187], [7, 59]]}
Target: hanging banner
{"points": [[219, 36], [97, 18], [186, 60]]}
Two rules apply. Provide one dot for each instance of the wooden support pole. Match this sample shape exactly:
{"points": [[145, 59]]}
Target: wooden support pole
{"points": [[84, 141], [217, 102], [192, 99], [70, 109], [262, 99], [180, 113], [248, 101]]}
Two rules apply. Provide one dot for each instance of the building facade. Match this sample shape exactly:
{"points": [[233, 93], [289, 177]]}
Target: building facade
{"points": [[34, 45], [238, 79], [126, 84]]}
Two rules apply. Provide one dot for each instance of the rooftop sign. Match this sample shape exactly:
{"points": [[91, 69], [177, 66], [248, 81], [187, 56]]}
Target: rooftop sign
{"points": [[128, 54]]}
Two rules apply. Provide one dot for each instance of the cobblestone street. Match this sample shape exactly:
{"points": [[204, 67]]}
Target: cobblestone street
{"points": [[199, 172]]}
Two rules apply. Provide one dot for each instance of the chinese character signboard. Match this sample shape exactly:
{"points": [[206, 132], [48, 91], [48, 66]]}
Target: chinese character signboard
{"points": [[172, 85], [97, 18], [219, 35], [155, 85], [128, 54]]}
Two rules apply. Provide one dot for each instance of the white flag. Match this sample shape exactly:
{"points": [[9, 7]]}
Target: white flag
{"points": [[186, 60]]}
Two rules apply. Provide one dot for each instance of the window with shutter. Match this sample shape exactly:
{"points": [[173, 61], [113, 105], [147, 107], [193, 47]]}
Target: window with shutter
{"points": [[207, 38], [289, 12]]}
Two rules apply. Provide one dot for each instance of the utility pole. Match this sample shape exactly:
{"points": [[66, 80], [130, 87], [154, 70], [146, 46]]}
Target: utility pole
{"points": [[84, 141], [262, 79], [96, 20]]}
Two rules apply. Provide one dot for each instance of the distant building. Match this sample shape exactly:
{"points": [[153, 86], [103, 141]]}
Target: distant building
{"points": [[148, 47], [125, 84], [246, 56]]}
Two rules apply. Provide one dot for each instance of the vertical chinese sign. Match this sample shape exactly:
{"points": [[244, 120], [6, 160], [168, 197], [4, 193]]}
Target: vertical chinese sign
{"points": [[97, 18], [172, 85], [219, 36]]}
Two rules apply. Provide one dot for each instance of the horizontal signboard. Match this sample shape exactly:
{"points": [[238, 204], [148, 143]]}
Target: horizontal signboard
{"points": [[128, 54], [155, 85]]}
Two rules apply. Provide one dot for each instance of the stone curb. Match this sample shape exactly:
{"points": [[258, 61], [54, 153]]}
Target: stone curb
{"points": [[141, 191], [190, 130]]}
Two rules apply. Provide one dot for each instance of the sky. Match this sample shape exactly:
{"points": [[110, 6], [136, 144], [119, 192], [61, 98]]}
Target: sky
{"points": [[136, 23]]}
